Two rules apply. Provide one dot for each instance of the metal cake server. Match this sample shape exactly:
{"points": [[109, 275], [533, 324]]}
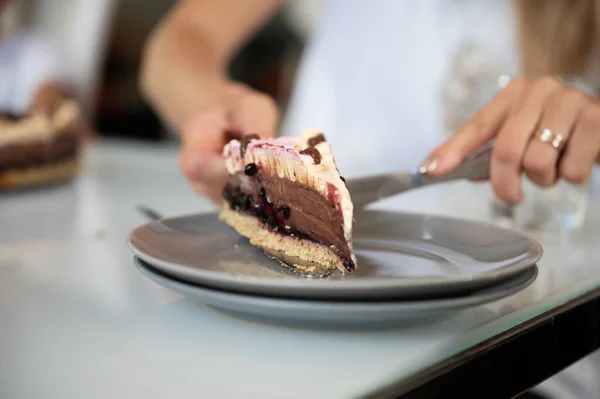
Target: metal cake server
{"points": [[368, 189]]}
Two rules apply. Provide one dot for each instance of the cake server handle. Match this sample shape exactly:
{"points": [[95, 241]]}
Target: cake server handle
{"points": [[366, 190]]}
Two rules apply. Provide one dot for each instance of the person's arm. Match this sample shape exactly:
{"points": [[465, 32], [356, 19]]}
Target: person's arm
{"points": [[185, 60]]}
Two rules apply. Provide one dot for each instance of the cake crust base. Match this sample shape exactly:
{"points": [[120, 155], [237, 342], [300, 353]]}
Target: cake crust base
{"points": [[39, 175], [314, 258]]}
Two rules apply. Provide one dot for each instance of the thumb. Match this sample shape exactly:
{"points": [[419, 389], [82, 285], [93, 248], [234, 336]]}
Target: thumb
{"points": [[254, 114], [204, 133], [206, 170], [202, 145]]}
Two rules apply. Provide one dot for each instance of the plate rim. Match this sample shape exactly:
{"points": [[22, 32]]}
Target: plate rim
{"points": [[481, 297], [253, 284]]}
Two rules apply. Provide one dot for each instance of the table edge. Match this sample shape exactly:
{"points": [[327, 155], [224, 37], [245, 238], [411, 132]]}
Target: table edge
{"points": [[529, 336]]}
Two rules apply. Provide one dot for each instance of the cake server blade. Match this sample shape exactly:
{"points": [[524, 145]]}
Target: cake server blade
{"points": [[366, 190]]}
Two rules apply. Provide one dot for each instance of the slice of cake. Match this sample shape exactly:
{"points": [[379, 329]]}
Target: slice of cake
{"points": [[287, 197], [39, 148]]}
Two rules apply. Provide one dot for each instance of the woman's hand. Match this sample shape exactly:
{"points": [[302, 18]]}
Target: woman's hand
{"points": [[540, 127], [241, 111], [184, 77]]}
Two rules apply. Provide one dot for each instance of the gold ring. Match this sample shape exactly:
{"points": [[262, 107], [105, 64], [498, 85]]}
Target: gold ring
{"points": [[557, 141]]}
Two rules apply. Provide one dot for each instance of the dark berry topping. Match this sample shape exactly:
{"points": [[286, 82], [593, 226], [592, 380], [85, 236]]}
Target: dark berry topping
{"points": [[285, 210], [246, 140], [251, 169], [262, 193], [349, 265], [314, 153], [248, 203], [313, 141]]}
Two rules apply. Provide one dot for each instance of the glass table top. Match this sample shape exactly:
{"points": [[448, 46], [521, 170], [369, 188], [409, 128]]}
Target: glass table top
{"points": [[77, 315]]}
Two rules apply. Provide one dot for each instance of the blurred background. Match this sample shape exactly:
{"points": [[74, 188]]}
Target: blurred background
{"points": [[102, 41]]}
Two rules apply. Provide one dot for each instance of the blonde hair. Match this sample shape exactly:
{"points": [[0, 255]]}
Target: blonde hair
{"points": [[558, 37]]}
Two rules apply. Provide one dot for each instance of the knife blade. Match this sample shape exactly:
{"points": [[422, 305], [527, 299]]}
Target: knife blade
{"points": [[366, 190]]}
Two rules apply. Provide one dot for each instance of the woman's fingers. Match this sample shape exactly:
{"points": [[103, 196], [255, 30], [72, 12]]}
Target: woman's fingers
{"points": [[583, 147], [205, 135], [528, 120], [514, 137], [559, 116], [256, 113], [476, 132], [202, 139]]}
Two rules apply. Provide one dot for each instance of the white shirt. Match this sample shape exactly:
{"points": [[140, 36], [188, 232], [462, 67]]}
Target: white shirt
{"points": [[26, 62], [374, 78], [49, 38], [374, 74]]}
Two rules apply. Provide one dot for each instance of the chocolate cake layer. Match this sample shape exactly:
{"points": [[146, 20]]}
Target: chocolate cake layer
{"points": [[30, 154], [289, 208]]}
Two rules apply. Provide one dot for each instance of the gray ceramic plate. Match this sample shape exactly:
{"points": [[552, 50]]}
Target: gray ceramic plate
{"points": [[339, 314], [400, 255]]}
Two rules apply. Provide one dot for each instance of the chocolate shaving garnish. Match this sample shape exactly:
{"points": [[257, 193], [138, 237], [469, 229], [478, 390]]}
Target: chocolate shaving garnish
{"points": [[251, 169], [313, 141], [285, 210], [246, 140], [231, 135], [314, 153]]}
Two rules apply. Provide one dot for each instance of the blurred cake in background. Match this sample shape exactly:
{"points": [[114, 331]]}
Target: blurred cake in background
{"points": [[39, 148]]}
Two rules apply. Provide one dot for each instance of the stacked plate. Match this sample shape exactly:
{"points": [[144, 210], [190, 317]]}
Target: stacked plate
{"points": [[412, 268]]}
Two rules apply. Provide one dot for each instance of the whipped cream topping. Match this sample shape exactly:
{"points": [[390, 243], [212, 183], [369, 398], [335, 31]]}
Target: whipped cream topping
{"points": [[39, 126], [282, 157]]}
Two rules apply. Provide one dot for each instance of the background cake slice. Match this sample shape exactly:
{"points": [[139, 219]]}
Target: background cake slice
{"points": [[287, 196], [39, 148]]}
